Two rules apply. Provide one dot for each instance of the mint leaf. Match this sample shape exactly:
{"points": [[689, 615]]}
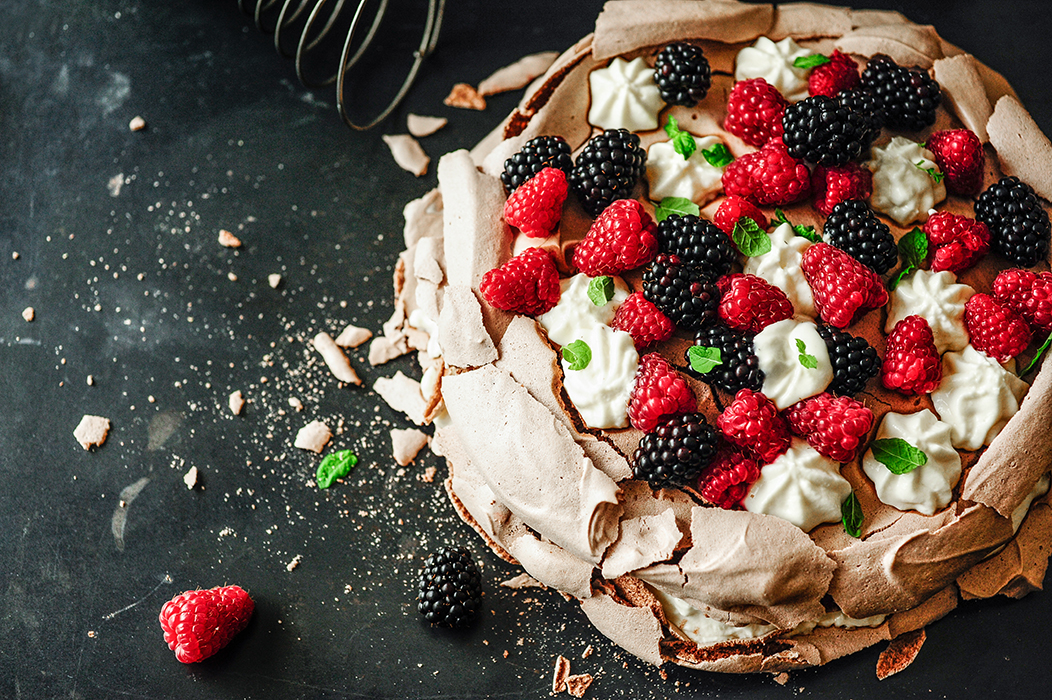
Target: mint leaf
{"points": [[336, 465], [1037, 356], [808, 361], [750, 238], [807, 232], [718, 156], [577, 355], [702, 359], [815, 59], [932, 172], [678, 206], [682, 141], [913, 249], [601, 290], [897, 455], [851, 515]]}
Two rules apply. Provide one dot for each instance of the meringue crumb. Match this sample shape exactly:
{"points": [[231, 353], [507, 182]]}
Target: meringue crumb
{"points": [[91, 380], [274, 279], [29, 313], [291, 566], [231, 276], [137, 123], [429, 475], [92, 633], [465, 96], [587, 651], [228, 240], [296, 403], [236, 402], [92, 431], [14, 255], [190, 478], [577, 685]]}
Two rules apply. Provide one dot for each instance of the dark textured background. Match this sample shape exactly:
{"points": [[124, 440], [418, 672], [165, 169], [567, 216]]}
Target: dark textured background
{"points": [[133, 289]]}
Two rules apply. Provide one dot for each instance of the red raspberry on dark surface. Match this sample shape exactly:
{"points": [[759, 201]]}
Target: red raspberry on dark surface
{"points": [[836, 426], [621, 238], [750, 303], [994, 328], [752, 422], [1027, 293], [959, 154], [842, 286], [830, 186], [830, 79], [526, 284], [911, 361], [955, 242], [659, 392], [638, 317], [537, 205], [726, 481], [768, 177], [197, 624], [754, 111], [733, 209]]}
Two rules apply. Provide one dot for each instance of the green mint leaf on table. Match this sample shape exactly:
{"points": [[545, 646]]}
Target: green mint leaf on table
{"points": [[718, 156], [1037, 356], [913, 249], [601, 290], [851, 515], [815, 59], [577, 355], [807, 232], [675, 206], [335, 465], [682, 141], [932, 172], [897, 455], [750, 239], [702, 359], [808, 361]]}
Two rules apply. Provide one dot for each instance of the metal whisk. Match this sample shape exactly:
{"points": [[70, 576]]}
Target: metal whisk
{"points": [[312, 25]]}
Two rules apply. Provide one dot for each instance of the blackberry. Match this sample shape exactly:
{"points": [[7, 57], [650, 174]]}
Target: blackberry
{"points": [[821, 130], [607, 169], [538, 153], [1019, 226], [865, 103], [685, 294], [908, 96], [854, 361], [450, 589], [740, 368], [855, 229], [676, 451], [697, 243], [682, 74]]}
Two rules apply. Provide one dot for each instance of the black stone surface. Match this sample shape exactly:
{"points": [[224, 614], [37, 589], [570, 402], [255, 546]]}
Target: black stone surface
{"points": [[132, 288]]}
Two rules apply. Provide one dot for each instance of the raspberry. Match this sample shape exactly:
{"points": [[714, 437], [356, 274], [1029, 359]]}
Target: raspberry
{"points": [[199, 623], [831, 186], [536, 207], [959, 154], [1019, 225], [909, 97], [726, 481], [607, 169], [740, 368], [836, 426], [994, 328], [659, 392], [752, 422], [754, 111], [526, 284], [638, 317], [855, 229], [1027, 293], [538, 153], [686, 295], [842, 286], [621, 239], [955, 242], [678, 449], [750, 303], [830, 79], [697, 243], [682, 74], [449, 590], [911, 362], [854, 361], [732, 209], [769, 176], [820, 130]]}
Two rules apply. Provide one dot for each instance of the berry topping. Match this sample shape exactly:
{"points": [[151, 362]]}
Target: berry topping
{"points": [[739, 368], [684, 294], [726, 481], [449, 592], [754, 111], [911, 361], [842, 286], [659, 393], [836, 426], [752, 422], [908, 97], [197, 624], [820, 130], [955, 242], [769, 176], [526, 284], [854, 361], [682, 74], [698, 243], [621, 238], [732, 209], [676, 452], [831, 186], [855, 229], [538, 153], [1019, 226], [536, 207], [864, 102], [643, 321], [959, 154], [830, 79], [994, 328], [1027, 293], [750, 303], [607, 169]]}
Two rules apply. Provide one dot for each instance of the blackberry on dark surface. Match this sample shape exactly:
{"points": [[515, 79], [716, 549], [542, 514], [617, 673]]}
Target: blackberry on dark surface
{"points": [[865, 103], [683, 293], [538, 153], [1019, 225], [854, 361], [908, 96], [698, 243], [450, 588], [682, 74], [821, 130], [740, 368], [855, 229], [607, 169], [676, 451]]}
